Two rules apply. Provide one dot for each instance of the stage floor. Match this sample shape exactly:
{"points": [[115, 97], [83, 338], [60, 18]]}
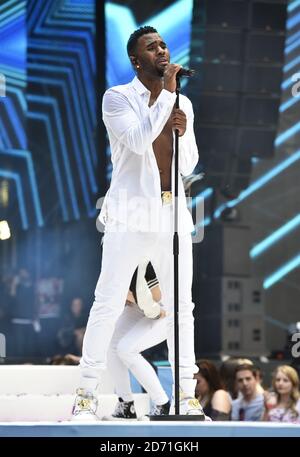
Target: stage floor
{"points": [[148, 429]]}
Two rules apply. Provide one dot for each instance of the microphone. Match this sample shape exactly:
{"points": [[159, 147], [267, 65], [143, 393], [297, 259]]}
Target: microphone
{"points": [[187, 72]]}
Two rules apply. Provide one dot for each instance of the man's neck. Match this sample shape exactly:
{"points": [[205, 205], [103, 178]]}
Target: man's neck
{"points": [[154, 85], [250, 397]]}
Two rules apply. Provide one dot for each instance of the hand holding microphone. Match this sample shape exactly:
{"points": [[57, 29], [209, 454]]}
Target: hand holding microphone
{"points": [[187, 72], [173, 71]]}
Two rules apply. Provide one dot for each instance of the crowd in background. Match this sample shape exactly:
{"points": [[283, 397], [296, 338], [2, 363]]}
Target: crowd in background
{"points": [[234, 390], [37, 320]]}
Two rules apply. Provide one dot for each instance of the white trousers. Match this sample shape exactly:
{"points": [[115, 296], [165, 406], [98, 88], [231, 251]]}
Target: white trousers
{"points": [[133, 334], [122, 252]]}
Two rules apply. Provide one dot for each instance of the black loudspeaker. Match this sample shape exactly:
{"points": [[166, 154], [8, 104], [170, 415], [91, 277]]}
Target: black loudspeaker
{"points": [[238, 52], [222, 13], [221, 77], [261, 110], [263, 78], [265, 47], [218, 109], [258, 142], [224, 251], [224, 44], [229, 317], [269, 15]]}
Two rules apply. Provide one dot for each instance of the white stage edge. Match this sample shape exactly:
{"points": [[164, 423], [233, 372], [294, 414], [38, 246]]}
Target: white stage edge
{"points": [[149, 430], [36, 401]]}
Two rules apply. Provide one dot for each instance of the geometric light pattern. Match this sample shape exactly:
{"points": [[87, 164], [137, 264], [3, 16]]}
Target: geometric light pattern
{"points": [[48, 117]]}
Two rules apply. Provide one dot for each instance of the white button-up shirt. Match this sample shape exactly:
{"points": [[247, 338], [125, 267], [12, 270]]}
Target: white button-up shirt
{"points": [[134, 196]]}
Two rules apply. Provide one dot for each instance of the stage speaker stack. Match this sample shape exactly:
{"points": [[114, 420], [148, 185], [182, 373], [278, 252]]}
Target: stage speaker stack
{"points": [[229, 311], [238, 54]]}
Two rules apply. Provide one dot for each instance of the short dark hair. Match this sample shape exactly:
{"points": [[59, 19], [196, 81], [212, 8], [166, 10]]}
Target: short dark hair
{"points": [[248, 367], [133, 39]]}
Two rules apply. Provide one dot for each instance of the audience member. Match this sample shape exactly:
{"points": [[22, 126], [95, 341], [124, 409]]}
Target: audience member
{"points": [[216, 402], [23, 313], [283, 405], [70, 336], [250, 405]]}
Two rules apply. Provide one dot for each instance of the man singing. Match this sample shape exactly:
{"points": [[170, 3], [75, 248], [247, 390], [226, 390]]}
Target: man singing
{"points": [[138, 212]]}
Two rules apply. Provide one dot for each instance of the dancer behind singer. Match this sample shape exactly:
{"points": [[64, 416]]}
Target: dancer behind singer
{"points": [[138, 212], [141, 326]]}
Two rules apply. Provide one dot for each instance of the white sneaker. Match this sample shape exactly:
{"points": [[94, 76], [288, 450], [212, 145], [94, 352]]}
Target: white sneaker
{"points": [[191, 406], [85, 406]]}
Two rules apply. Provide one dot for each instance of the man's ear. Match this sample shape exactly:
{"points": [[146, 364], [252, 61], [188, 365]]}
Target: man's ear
{"points": [[134, 61]]}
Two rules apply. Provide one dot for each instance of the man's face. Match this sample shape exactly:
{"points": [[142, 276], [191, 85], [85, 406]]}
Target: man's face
{"points": [[152, 54], [246, 382]]}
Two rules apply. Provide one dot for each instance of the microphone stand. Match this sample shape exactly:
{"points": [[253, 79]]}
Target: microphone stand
{"points": [[177, 416], [176, 263]]}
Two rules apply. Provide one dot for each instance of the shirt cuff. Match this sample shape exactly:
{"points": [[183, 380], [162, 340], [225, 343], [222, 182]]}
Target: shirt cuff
{"points": [[166, 97]]}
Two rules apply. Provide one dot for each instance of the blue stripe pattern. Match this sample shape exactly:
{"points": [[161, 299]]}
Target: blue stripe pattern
{"points": [[47, 55]]}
